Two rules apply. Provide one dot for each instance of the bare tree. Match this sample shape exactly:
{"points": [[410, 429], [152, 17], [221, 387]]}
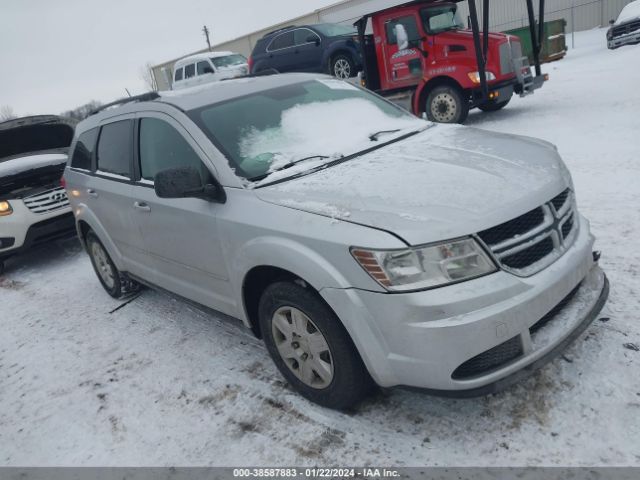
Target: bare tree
{"points": [[147, 77], [83, 111], [6, 113]]}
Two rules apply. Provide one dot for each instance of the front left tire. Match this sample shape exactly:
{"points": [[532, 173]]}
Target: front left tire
{"points": [[311, 347], [116, 283]]}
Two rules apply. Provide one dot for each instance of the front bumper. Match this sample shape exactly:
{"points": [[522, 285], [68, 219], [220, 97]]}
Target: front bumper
{"points": [[24, 229], [422, 339], [630, 38]]}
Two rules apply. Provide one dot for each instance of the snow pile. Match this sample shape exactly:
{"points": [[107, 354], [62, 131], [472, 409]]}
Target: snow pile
{"points": [[332, 129], [629, 12]]}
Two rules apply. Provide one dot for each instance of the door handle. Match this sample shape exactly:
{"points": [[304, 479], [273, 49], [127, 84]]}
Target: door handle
{"points": [[142, 206], [92, 193]]}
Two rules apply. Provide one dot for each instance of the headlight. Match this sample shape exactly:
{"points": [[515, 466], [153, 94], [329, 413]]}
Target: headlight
{"points": [[475, 76], [425, 267], [5, 208]]}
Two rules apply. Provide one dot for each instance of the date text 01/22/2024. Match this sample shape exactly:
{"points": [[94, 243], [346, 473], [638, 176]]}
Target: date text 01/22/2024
{"points": [[316, 472]]}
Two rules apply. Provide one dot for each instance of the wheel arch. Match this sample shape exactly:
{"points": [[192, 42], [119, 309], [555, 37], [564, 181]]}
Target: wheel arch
{"points": [[268, 260], [85, 221]]}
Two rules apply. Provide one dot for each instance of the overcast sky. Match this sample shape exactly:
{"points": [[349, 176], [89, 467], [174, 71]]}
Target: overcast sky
{"points": [[59, 54]]}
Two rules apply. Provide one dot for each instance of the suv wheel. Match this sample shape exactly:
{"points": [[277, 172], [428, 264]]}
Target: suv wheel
{"points": [[114, 282], [342, 67], [311, 348], [446, 104]]}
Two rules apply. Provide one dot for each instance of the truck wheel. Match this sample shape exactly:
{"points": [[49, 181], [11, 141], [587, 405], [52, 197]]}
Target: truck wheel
{"points": [[311, 348], [493, 106], [342, 67], [446, 104], [114, 282]]}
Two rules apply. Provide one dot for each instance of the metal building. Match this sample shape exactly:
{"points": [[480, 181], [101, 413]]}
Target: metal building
{"points": [[504, 15]]}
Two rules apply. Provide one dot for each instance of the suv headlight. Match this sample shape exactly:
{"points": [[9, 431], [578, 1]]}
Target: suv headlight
{"points": [[425, 267], [475, 76], [5, 208]]}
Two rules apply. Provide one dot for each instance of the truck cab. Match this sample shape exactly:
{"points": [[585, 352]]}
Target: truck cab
{"points": [[423, 50]]}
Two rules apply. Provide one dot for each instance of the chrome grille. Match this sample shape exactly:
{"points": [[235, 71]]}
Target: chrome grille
{"points": [[626, 28], [509, 51], [506, 60], [47, 201], [531, 242]]}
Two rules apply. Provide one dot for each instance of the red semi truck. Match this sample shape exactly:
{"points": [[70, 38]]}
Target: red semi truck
{"points": [[421, 56]]}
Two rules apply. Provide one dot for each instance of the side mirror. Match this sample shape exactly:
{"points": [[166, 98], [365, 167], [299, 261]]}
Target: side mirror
{"points": [[186, 182], [611, 22], [207, 70], [313, 39], [402, 37]]}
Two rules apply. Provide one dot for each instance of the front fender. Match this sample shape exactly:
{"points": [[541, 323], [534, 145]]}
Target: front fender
{"points": [[285, 254]]}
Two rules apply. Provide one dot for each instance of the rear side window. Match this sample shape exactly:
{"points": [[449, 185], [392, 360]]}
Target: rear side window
{"points": [[203, 68], [189, 71], [178, 76], [115, 148], [282, 41], [162, 147], [84, 150], [303, 36]]}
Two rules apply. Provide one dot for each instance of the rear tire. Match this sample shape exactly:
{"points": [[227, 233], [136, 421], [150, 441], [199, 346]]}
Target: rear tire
{"points": [[311, 348], [494, 106], [114, 282], [342, 66], [447, 104]]}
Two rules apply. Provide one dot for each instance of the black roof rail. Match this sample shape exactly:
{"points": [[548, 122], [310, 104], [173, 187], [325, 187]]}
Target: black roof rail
{"points": [[145, 97], [278, 30]]}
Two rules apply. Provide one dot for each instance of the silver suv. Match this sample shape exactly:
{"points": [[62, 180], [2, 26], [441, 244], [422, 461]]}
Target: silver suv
{"points": [[364, 245]]}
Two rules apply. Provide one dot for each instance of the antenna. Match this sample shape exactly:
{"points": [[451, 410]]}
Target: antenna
{"points": [[205, 30]]}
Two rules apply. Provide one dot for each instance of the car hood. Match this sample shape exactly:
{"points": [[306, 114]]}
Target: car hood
{"points": [[445, 182], [32, 161]]}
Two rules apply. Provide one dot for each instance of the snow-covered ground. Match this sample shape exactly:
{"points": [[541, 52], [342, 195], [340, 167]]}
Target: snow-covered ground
{"points": [[157, 382]]}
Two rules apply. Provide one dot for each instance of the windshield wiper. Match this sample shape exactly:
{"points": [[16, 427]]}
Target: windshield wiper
{"points": [[374, 136], [285, 166], [295, 162]]}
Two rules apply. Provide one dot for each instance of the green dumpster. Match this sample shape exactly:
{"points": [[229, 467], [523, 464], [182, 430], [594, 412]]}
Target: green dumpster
{"points": [[554, 46]]}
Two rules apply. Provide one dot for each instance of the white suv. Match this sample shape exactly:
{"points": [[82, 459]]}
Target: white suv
{"points": [[208, 67], [34, 208], [361, 243]]}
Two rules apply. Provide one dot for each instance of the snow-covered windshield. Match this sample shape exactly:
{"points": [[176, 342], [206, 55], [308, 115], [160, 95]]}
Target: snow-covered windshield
{"points": [[229, 60], [629, 12], [304, 124], [335, 30]]}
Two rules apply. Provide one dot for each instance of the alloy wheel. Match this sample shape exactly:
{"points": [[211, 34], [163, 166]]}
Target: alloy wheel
{"points": [[303, 347], [342, 69], [102, 263]]}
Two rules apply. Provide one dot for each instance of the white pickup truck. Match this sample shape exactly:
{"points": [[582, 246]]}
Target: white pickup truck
{"points": [[34, 208]]}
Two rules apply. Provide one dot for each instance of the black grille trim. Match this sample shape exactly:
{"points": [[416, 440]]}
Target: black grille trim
{"points": [[567, 226], [490, 360], [517, 226], [530, 255], [560, 200]]}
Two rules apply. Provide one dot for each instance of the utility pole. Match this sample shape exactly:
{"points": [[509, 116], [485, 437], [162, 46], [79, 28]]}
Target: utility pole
{"points": [[205, 30]]}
